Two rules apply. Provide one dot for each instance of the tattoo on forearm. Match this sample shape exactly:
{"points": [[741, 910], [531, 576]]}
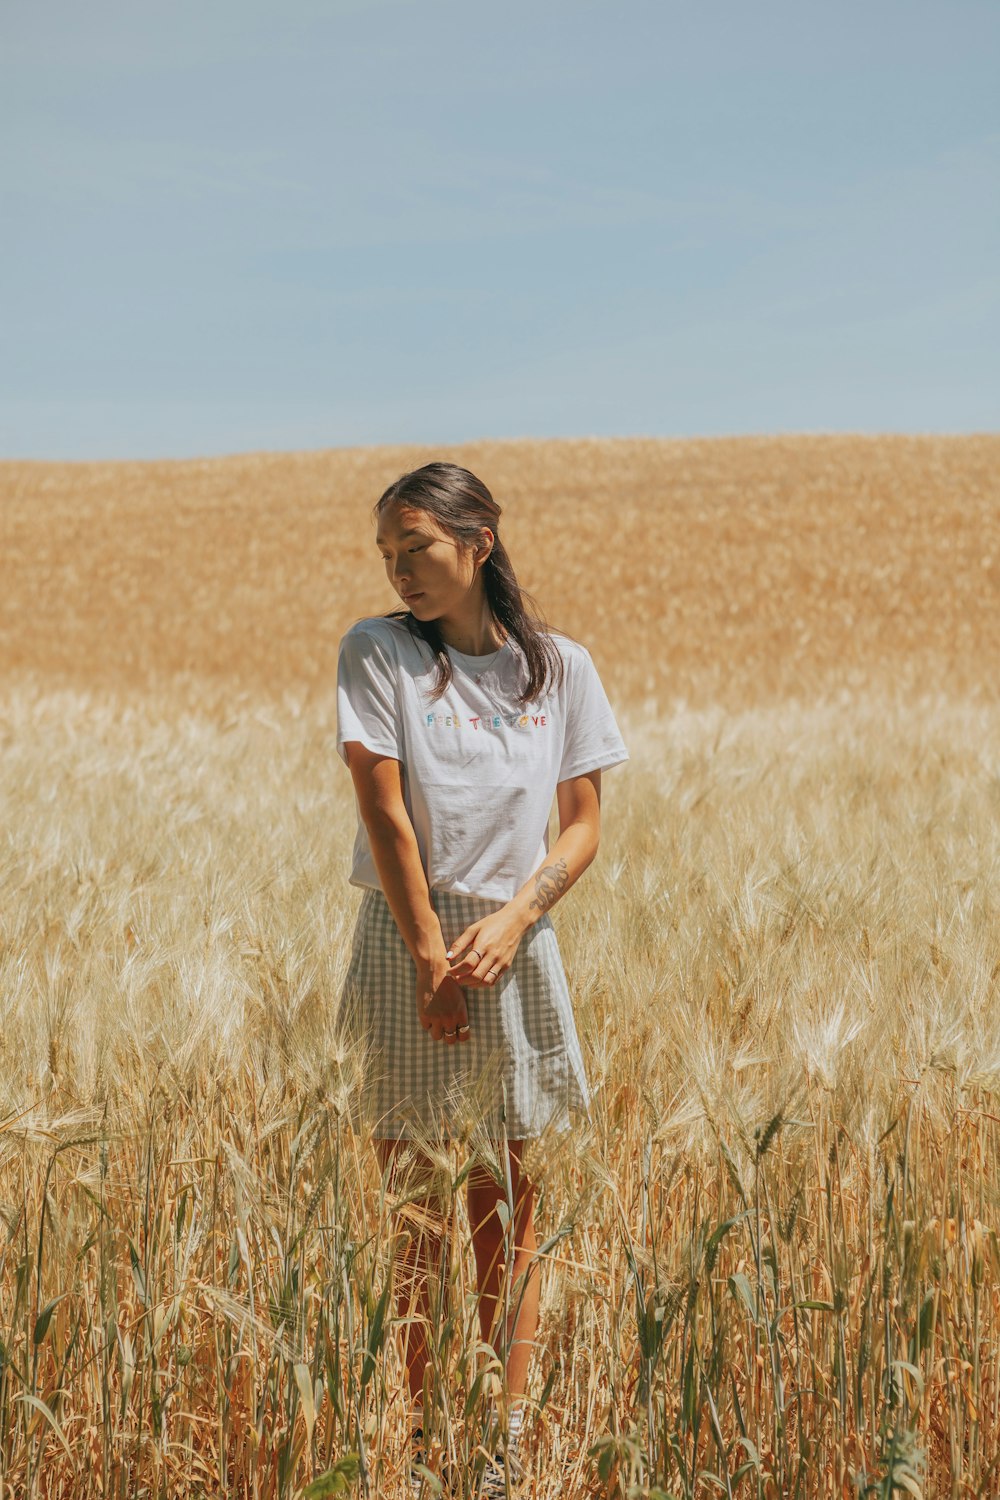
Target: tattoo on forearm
{"points": [[549, 885]]}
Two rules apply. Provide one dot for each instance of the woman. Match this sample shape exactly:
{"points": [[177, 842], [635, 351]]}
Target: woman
{"points": [[460, 717]]}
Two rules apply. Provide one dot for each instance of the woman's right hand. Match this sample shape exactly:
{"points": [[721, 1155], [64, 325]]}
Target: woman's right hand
{"points": [[441, 1005]]}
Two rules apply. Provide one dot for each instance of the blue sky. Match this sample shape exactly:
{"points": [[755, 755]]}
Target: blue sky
{"points": [[244, 226]]}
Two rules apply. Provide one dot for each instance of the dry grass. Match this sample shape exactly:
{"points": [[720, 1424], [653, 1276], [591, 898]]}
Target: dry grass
{"points": [[772, 1264], [736, 572]]}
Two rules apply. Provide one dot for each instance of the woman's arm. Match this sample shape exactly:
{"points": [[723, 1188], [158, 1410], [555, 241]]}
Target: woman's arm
{"points": [[579, 804], [496, 937], [378, 782]]}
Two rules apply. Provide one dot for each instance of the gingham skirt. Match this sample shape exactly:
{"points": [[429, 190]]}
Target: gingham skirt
{"points": [[521, 1071]]}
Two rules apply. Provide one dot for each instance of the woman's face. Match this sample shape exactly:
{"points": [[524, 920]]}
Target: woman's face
{"points": [[430, 571]]}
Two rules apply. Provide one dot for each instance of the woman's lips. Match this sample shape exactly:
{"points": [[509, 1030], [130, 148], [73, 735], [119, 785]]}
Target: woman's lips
{"points": [[409, 598]]}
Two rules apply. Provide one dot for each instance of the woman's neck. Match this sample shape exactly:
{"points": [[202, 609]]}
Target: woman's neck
{"points": [[476, 636]]}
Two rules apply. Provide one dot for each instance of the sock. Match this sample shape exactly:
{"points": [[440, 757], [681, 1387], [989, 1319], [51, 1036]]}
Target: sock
{"points": [[514, 1426], [417, 1419]]}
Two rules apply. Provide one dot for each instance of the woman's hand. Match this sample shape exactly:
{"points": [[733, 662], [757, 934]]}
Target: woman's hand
{"points": [[488, 946], [441, 1006]]}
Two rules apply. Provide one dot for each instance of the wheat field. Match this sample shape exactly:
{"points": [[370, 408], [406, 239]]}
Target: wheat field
{"points": [[770, 1264]]}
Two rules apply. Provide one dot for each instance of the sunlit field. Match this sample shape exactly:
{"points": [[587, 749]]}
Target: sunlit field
{"points": [[770, 1264]]}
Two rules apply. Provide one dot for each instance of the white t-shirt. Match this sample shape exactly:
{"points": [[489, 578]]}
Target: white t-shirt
{"points": [[479, 771]]}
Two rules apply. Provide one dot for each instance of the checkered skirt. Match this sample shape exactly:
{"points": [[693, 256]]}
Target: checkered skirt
{"points": [[521, 1069]]}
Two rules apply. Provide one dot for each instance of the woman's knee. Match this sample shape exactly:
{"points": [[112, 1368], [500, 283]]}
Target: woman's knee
{"points": [[424, 1212], [411, 1167], [484, 1193]]}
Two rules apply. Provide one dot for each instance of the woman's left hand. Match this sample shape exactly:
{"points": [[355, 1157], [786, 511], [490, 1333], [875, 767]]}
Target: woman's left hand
{"points": [[483, 953]]}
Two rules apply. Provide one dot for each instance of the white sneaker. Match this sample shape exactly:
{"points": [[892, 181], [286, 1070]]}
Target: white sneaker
{"points": [[493, 1485], [417, 1456], [420, 1487]]}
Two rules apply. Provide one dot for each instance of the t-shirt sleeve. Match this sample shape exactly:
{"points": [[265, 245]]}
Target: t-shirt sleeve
{"points": [[593, 741], [366, 696]]}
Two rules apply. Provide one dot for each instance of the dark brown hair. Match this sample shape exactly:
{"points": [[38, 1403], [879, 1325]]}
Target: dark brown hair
{"points": [[462, 506]]}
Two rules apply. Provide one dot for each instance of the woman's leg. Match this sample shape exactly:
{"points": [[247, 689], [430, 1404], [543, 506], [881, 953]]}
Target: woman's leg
{"points": [[488, 1244], [426, 1228]]}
